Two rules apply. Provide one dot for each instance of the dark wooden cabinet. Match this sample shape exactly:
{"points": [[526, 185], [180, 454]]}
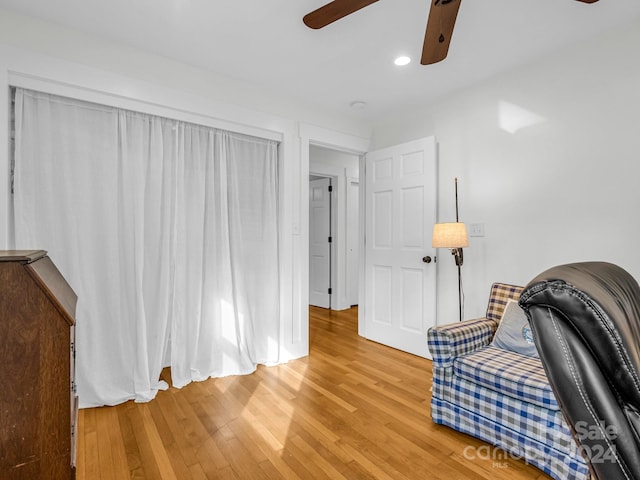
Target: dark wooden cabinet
{"points": [[38, 404]]}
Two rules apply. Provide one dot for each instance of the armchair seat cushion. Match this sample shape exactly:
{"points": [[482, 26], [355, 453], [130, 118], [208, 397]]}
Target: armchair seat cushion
{"points": [[508, 373]]}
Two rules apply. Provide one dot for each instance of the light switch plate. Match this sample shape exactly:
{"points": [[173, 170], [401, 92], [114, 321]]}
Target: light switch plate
{"points": [[476, 230]]}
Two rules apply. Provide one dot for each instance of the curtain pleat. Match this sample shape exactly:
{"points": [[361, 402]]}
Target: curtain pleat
{"points": [[168, 233]]}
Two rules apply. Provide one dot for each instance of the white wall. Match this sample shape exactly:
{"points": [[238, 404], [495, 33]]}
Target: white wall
{"points": [[563, 190], [547, 194], [62, 43], [343, 162], [44, 56]]}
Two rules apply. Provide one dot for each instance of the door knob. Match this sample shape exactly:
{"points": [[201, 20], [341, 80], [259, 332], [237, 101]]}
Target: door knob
{"points": [[426, 259]]}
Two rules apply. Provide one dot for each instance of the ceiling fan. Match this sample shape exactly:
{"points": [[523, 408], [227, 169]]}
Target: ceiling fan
{"points": [[442, 18]]}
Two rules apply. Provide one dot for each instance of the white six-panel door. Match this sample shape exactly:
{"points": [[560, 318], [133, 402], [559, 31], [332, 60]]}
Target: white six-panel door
{"points": [[400, 292], [319, 246]]}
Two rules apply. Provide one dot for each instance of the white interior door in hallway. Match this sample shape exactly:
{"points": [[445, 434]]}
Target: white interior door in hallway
{"points": [[400, 290], [320, 242]]}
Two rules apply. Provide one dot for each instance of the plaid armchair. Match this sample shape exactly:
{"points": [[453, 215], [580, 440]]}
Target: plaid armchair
{"points": [[499, 396]]}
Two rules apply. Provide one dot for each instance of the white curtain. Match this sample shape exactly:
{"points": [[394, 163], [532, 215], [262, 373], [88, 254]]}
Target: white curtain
{"points": [[168, 233]]}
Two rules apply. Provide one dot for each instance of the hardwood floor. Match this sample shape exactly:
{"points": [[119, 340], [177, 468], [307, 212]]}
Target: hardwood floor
{"points": [[353, 409]]}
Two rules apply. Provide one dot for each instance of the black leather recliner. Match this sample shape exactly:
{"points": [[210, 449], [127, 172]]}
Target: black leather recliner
{"points": [[585, 319]]}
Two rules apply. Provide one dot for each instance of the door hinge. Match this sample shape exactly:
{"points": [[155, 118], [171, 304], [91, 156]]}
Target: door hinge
{"points": [[330, 239], [331, 188], [329, 290]]}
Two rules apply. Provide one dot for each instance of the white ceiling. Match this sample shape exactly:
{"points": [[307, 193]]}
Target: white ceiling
{"points": [[265, 42]]}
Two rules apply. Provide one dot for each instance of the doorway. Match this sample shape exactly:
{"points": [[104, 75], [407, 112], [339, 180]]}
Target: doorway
{"points": [[320, 241], [334, 265]]}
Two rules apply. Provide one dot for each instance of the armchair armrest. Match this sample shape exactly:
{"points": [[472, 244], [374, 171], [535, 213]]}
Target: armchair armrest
{"points": [[447, 342]]}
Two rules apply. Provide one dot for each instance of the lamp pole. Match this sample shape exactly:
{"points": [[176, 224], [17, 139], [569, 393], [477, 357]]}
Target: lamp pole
{"points": [[456, 185], [458, 259]]}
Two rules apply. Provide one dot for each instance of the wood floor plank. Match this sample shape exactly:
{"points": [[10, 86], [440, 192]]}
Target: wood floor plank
{"points": [[196, 472], [158, 450], [351, 410], [149, 466], [111, 451], [240, 459], [131, 446], [210, 458], [81, 448], [89, 457], [313, 455]]}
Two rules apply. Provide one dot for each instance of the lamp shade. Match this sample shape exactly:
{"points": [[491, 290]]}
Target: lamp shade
{"points": [[450, 235]]}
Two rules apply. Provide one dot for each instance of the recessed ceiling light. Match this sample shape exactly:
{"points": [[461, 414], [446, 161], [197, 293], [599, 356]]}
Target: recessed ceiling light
{"points": [[402, 61]]}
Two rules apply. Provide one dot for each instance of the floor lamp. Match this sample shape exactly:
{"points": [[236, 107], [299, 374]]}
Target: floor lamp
{"points": [[453, 236]]}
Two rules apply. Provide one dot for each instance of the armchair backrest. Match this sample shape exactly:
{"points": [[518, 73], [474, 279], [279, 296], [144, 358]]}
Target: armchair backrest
{"points": [[585, 319], [500, 294]]}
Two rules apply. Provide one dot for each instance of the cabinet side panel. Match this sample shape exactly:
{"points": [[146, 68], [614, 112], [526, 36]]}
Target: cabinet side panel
{"points": [[29, 471], [20, 301], [54, 427], [35, 405]]}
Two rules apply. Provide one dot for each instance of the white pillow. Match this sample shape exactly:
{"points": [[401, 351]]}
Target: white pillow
{"points": [[514, 332]]}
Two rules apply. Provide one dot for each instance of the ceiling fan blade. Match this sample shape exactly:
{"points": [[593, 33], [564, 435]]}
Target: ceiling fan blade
{"points": [[588, 1], [333, 11], [442, 18]]}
